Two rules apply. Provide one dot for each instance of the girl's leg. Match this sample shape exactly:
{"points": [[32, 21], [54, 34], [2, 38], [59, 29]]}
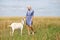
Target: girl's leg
{"points": [[32, 30], [28, 29]]}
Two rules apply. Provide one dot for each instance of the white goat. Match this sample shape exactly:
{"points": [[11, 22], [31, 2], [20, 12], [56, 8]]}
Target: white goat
{"points": [[17, 26]]}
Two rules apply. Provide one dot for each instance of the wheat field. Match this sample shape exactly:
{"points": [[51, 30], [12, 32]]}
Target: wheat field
{"points": [[46, 28]]}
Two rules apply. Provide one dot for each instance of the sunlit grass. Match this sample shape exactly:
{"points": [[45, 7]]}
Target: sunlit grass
{"points": [[46, 28]]}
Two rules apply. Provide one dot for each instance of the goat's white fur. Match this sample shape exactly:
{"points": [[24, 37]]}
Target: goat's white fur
{"points": [[17, 26]]}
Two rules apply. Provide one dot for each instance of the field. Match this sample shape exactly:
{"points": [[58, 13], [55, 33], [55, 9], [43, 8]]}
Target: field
{"points": [[46, 28]]}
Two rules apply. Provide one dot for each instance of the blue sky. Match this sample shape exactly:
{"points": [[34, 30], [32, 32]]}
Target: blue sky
{"points": [[41, 7]]}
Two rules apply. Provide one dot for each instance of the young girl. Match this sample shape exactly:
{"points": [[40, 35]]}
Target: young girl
{"points": [[29, 17]]}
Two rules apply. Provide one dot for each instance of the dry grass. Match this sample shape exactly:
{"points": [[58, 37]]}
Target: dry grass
{"points": [[47, 28]]}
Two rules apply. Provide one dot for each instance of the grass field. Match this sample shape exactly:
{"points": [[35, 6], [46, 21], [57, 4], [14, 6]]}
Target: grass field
{"points": [[46, 28]]}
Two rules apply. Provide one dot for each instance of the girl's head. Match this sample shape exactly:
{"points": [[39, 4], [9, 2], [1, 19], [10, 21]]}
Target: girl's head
{"points": [[29, 7]]}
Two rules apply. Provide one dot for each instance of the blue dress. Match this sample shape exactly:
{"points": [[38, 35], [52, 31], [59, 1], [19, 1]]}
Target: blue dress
{"points": [[29, 17]]}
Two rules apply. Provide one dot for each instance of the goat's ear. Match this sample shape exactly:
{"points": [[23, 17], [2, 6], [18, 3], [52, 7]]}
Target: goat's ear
{"points": [[24, 19]]}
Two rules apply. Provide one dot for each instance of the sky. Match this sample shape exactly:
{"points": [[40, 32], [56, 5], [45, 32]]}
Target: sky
{"points": [[41, 7]]}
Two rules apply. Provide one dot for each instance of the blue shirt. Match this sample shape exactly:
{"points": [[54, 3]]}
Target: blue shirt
{"points": [[29, 15]]}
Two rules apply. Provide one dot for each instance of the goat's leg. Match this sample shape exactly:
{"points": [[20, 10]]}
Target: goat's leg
{"points": [[21, 32], [12, 32]]}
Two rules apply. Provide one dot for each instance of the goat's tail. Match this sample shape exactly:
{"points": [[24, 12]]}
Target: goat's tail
{"points": [[9, 25]]}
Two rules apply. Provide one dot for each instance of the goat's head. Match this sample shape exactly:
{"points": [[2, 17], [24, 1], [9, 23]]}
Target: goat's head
{"points": [[23, 20]]}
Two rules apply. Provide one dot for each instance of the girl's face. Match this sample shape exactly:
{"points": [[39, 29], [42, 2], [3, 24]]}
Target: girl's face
{"points": [[29, 8]]}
